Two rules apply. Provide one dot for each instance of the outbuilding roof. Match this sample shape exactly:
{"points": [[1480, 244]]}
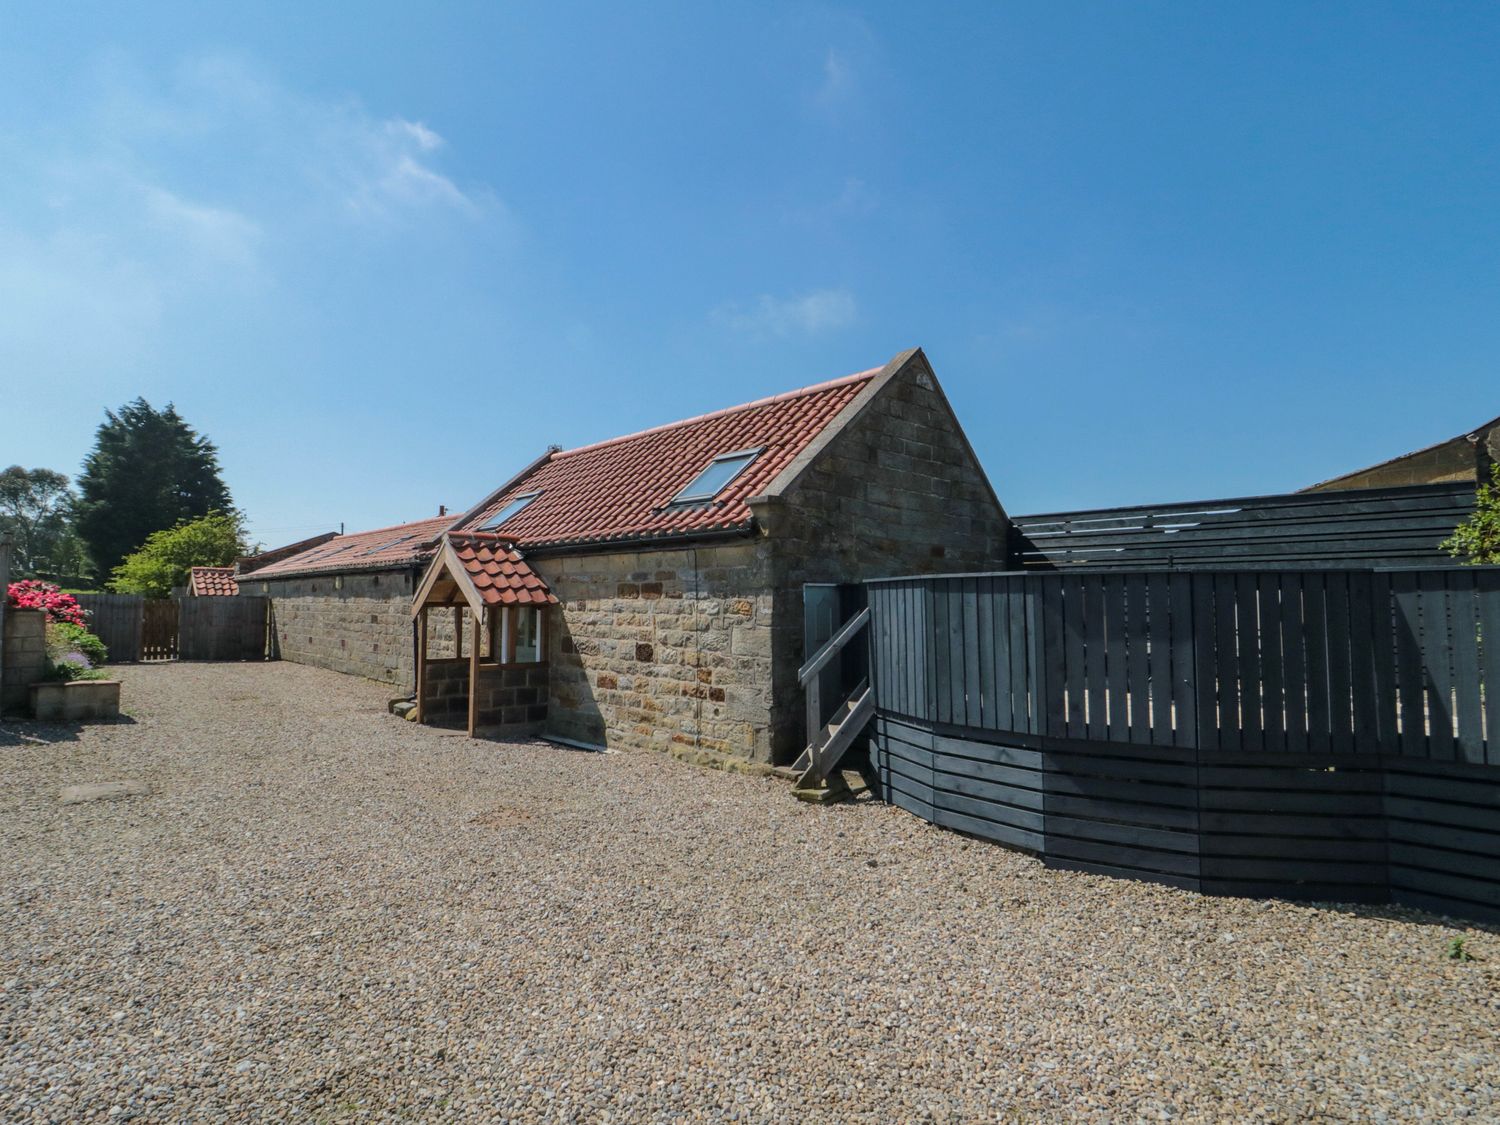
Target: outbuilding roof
{"points": [[497, 570], [212, 581], [385, 548], [624, 488]]}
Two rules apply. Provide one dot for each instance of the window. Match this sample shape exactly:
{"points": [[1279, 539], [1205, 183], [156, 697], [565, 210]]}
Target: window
{"points": [[516, 634], [509, 510], [528, 635], [392, 543], [716, 478]]}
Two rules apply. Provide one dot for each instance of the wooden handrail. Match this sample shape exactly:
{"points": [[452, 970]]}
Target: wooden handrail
{"points": [[833, 646]]}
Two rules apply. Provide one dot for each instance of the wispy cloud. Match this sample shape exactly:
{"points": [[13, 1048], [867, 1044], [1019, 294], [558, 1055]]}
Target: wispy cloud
{"points": [[824, 310], [156, 193]]}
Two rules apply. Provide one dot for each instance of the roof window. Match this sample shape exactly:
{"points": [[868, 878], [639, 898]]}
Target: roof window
{"points": [[392, 543], [509, 510], [721, 471]]}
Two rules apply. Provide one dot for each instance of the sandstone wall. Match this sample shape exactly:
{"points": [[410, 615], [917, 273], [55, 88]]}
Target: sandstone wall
{"points": [[360, 625], [897, 491], [662, 649], [510, 696]]}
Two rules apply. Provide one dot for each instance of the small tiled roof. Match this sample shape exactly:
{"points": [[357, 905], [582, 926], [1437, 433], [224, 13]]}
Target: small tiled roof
{"points": [[498, 571], [384, 548], [213, 581], [622, 489]]}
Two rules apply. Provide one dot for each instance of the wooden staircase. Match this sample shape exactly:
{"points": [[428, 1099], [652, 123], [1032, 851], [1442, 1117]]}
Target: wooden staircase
{"points": [[832, 739]]}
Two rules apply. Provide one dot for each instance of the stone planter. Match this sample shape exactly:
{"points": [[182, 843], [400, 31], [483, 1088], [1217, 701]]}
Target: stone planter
{"points": [[75, 701]]}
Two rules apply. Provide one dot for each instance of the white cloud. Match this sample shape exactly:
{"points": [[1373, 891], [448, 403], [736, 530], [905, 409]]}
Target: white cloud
{"points": [[388, 170], [219, 233], [824, 310]]}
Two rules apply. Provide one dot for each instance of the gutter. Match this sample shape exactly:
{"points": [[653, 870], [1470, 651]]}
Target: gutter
{"points": [[639, 542]]}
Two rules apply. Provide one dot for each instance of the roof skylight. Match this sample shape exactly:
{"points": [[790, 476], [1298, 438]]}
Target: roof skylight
{"points": [[713, 480], [509, 510]]}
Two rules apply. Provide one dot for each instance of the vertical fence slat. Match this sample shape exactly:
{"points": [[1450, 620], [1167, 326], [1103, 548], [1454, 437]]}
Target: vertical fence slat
{"points": [[1466, 672], [1409, 665], [1016, 623], [1117, 683], [1160, 608], [1362, 664], [1247, 637], [973, 710], [1045, 619], [1294, 662], [988, 604], [1005, 656], [1138, 657], [1340, 710], [1383, 658], [1437, 659], [1227, 663], [1315, 619], [1273, 703], [1487, 587], [1074, 676]]}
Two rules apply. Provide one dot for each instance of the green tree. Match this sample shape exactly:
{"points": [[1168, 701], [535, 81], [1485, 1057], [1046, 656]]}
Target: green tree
{"points": [[164, 560], [34, 509], [148, 471], [1477, 539]]}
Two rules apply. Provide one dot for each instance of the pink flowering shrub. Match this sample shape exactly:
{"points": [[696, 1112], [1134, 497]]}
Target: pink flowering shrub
{"points": [[61, 608]]}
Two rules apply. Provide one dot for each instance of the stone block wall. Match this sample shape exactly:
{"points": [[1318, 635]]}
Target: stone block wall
{"points": [[513, 696], [662, 649], [897, 491], [23, 657], [360, 625]]}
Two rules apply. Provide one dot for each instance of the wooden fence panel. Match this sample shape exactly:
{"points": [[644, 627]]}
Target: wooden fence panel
{"points": [[159, 629], [1313, 734], [222, 628], [116, 620]]}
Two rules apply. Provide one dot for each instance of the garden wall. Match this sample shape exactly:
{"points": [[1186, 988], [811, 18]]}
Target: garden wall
{"points": [[23, 656]]}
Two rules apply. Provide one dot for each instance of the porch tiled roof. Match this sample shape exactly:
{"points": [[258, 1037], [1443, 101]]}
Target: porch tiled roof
{"points": [[404, 544], [498, 571], [213, 581], [622, 489]]}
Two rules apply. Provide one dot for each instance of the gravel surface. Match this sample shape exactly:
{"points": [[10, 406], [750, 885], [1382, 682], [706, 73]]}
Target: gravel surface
{"points": [[322, 913]]}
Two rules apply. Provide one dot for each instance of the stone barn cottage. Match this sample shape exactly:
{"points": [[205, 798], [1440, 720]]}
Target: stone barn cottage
{"points": [[668, 567], [677, 556]]}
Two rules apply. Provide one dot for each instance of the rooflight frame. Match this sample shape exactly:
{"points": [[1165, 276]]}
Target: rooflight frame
{"points": [[513, 507], [688, 496]]}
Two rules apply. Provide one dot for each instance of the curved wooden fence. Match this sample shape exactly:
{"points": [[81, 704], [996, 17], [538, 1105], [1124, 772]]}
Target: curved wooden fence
{"points": [[1308, 734]]}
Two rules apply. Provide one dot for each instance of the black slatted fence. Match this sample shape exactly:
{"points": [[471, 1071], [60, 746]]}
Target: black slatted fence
{"points": [[1361, 528], [1312, 733]]}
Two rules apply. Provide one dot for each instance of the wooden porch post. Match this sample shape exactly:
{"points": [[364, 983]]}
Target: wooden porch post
{"points": [[421, 661], [474, 674]]}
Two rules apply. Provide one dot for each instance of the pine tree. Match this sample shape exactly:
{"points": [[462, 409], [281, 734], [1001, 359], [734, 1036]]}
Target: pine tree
{"points": [[149, 470]]}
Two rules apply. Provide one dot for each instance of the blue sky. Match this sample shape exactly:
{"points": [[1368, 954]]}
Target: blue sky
{"points": [[385, 255]]}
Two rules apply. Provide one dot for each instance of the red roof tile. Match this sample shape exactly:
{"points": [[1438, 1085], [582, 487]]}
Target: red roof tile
{"points": [[213, 581], [498, 571], [381, 549], [622, 489]]}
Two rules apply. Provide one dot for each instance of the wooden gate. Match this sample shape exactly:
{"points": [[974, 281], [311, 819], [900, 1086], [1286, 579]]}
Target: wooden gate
{"points": [[159, 629]]}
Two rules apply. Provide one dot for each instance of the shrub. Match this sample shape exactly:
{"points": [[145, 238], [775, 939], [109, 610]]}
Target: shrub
{"points": [[1478, 537], [164, 560], [61, 608], [70, 653], [65, 636]]}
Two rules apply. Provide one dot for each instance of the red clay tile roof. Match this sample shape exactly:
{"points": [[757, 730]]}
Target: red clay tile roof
{"points": [[498, 571], [213, 581], [384, 548], [621, 489]]}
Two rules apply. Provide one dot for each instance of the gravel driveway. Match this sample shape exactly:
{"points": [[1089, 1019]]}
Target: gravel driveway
{"points": [[322, 913]]}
